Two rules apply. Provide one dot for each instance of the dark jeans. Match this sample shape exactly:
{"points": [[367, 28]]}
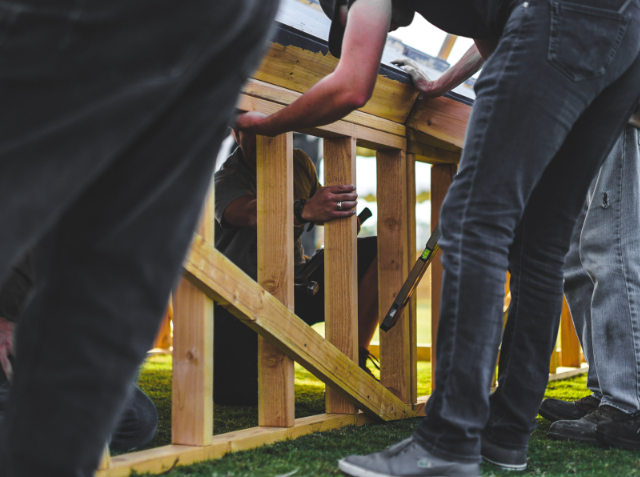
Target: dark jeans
{"points": [[547, 114], [112, 115], [235, 373]]}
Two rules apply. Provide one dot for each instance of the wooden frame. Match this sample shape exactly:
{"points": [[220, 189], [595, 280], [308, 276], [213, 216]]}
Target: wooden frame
{"points": [[403, 129]]}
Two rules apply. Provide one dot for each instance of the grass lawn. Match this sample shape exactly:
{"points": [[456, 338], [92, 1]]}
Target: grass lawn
{"points": [[317, 454]]}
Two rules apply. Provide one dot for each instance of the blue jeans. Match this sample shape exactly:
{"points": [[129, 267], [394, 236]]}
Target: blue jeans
{"points": [[547, 114], [602, 277], [112, 115]]}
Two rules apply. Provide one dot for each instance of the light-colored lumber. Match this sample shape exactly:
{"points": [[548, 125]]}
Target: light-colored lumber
{"points": [[421, 405], [442, 118], [164, 458], [423, 351], [412, 307], [391, 192], [568, 374], [163, 339], [341, 266], [365, 136], [447, 46], [192, 388], [298, 70], [554, 362], [569, 343], [105, 461], [277, 94], [222, 281], [441, 178], [274, 176]]}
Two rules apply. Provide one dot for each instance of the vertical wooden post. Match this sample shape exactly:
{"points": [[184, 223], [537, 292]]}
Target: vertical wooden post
{"points": [[447, 46], [192, 389], [105, 461], [569, 343], [164, 339], [441, 178], [341, 266], [395, 348], [274, 174], [412, 307]]}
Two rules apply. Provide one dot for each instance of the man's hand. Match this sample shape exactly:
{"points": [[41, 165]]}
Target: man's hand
{"points": [[421, 80], [323, 206], [253, 122]]}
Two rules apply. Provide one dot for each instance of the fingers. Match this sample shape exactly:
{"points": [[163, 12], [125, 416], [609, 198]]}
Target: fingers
{"points": [[340, 189], [405, 62], [347, 205]]}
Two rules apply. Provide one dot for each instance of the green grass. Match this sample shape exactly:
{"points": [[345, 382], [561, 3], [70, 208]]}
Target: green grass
{"points": [[317, 454]]}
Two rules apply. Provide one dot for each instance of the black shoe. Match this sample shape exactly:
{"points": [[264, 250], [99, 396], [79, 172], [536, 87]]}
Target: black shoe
{"points": [[584, 429], [137, 424], [557, 410], [363, 357], [508, 459], [621, 432]]}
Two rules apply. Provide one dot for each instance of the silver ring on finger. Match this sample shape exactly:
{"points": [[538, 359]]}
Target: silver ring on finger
{"points": [[339, 205]]}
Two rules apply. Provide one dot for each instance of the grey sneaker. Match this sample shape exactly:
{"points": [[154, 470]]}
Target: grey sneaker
{"points": [[406, 458], [508, 459]]}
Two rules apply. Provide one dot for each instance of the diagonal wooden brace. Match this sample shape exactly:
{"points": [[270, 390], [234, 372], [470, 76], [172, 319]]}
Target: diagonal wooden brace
{"points": [[225, 283]]}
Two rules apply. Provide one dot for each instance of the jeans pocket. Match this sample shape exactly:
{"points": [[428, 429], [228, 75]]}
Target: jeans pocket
{"points": [[584, 40]]}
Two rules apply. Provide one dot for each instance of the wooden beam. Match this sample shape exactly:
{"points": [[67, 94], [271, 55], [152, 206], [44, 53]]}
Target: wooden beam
{"points": [[341, 266], [365, 136], [192, 389], [443, 118], [395, 348], [274, 175], [222, 281], [298, 70], [447, 46], [105, 461], [163, 339], [279, 95], [412, 307], [423, 351], [569, 343], [441, 178], [161, 459]]}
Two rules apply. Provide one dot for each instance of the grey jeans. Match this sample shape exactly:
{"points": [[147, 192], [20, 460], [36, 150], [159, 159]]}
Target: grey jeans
{"points": [[112, 115], [602, 277]]}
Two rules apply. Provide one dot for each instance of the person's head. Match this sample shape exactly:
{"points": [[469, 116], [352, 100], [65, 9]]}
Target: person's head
{"points": [[247, 142], [337, 11]]}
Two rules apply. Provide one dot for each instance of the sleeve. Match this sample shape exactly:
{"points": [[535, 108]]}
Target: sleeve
{"points": [[229, 187]]}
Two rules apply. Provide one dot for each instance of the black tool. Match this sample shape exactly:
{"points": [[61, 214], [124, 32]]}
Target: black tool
{"points": [[301, 280], [411, 283]]}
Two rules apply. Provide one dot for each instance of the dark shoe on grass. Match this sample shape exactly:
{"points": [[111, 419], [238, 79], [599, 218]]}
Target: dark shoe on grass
{"points": [[507, 459], [557, 410], [584, 429], [622, 432], [406, 458]]}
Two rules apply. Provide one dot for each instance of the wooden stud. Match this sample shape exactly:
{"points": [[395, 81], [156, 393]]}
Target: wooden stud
{"points": [[222, 281], [443, 118], [274, 173], [192, 389], [163, 339], [162, 459], [366, 136], [341, 266], [441, 178], [395, 348], [447, 46], [569, 343], [412, 307]]}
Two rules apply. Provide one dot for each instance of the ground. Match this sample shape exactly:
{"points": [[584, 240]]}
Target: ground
{"points": [[317, 454]]}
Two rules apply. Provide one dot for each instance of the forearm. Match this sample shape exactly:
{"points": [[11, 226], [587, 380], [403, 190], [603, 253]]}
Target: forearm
{"points": [[326, 102], [464, 69]]}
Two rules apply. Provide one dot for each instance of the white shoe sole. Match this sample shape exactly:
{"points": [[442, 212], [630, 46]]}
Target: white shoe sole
{"points": [[356, 471], [505, 466]]}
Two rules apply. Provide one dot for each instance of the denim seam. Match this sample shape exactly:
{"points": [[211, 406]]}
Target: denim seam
{"points": [[434, 446], [624, 266]]}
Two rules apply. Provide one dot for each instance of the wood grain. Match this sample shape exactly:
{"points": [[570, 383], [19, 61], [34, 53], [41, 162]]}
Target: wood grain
{"points": [[341, 266], [442, 118], [274, 174], [441, 178], [395, 349], [569, 343], [412, 307], [222, 281]]}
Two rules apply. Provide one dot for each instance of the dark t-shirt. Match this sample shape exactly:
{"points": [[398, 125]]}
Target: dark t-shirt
{"points": [[468, 18], [235, 180]]}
